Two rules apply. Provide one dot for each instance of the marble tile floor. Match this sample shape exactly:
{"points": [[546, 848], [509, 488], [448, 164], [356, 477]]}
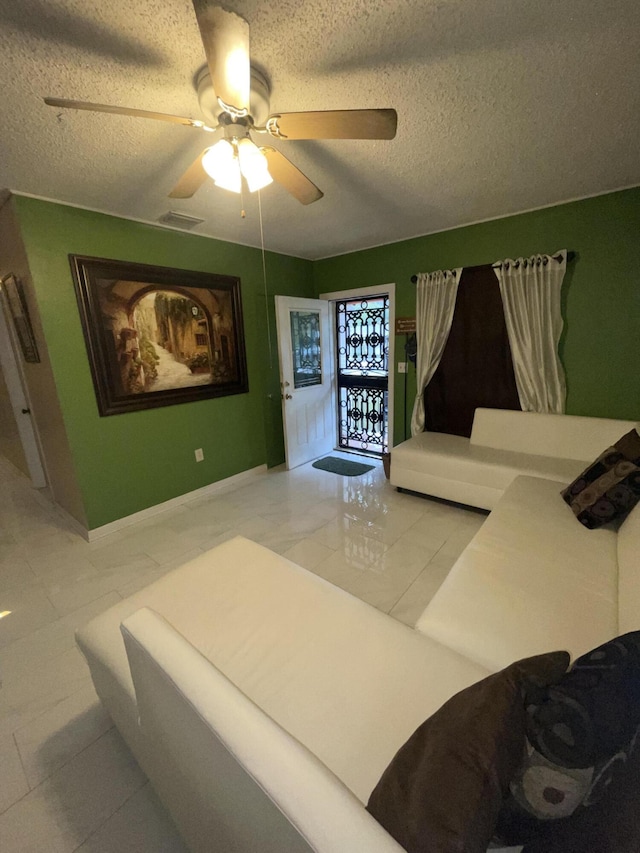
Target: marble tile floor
{"points": [[67, 781]]}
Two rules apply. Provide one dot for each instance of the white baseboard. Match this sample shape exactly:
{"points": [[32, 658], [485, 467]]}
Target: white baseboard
{"points": [[128, 520], [72, 522]]}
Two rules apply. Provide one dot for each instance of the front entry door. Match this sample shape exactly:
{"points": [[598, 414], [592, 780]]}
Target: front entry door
{"points": [[306, 378], [362, 333]]}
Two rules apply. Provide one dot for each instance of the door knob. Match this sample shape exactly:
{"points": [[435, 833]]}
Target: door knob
{"points": [[288, 396], [26, 411]]}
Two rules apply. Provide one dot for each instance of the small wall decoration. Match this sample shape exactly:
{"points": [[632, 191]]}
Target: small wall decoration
{"points": [[17, 303], [158, 336]]}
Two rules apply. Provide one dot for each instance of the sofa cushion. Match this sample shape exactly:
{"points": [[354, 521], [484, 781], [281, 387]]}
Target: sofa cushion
{"points": [[629, 572], [528, 581], [559, 436], [580, 733], [456, 458], [444, 788], [608, 489], [334, 672]]}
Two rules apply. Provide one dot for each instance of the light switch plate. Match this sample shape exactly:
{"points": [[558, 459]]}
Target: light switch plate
{"points": [[402, 367], [199, 455]]}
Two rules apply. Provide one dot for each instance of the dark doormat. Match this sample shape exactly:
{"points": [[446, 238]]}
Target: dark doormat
{"points": [[341, 466]]}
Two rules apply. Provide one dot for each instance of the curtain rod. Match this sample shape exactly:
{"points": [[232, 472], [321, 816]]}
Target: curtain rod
{"points": [[570, 257]]}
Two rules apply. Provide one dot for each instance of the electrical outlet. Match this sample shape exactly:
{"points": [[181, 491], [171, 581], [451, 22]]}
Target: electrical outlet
{"points": [[402, 367], [199, 455]]}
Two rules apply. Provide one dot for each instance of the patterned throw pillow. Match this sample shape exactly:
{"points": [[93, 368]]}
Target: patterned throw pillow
{"points": [[580, 734], [610, 487]]}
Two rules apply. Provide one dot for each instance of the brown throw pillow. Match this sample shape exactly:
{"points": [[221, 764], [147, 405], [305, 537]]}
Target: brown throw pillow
{"points": [[610, 487], [444, 788]]}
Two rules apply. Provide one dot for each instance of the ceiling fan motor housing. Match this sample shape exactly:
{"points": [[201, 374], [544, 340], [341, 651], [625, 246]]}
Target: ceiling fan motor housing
{"points": [[209, 102]]}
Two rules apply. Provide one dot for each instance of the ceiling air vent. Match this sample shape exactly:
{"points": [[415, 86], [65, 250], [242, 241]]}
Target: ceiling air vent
{"points": [[179, 220]]}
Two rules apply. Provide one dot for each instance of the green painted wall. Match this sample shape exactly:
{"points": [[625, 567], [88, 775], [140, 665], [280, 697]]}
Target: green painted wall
{"points": [[125, 463], [600, 346]]}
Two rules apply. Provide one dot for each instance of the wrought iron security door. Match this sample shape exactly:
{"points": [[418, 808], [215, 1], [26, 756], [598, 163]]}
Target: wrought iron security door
{"points": [[362, 334]]}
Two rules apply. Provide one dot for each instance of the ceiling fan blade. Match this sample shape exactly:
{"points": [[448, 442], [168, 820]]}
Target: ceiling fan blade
{"points": [[292, 179], [334, 124], [225, 37], [192, 179], [123, 111]]}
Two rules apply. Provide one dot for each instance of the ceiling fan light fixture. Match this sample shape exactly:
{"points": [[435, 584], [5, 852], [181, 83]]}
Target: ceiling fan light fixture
{"points": [[230, 180], [221, 163], [218, 158], [253, 165]]}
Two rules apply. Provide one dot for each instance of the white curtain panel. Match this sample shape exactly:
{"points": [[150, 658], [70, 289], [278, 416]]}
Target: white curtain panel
{"points": [[435, 303], [530, 289]]}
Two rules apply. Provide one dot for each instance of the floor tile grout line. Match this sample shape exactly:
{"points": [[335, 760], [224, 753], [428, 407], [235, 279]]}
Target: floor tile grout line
{"points": [[24, 773], [113, 814], [54, 706], [15, 802], [48, 625], [71, 758], [61, 767], [35, 787], [402, 596], [408, 587]]}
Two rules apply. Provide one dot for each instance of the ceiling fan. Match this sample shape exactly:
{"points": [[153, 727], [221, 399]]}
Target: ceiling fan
{"points": [[228, 87]]}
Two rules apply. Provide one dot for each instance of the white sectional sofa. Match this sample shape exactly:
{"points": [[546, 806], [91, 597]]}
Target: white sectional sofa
{"points": [[503, 445], [264, 703]]}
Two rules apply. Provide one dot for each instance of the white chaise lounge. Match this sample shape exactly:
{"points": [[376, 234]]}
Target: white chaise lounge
{"points": [[263, 702]]}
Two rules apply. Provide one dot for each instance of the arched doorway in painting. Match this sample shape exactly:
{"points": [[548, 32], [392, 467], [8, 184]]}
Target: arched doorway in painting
{"points": [[173, 341]]}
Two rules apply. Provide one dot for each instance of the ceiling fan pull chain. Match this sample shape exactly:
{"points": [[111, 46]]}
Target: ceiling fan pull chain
{"points": [[264, 279]]}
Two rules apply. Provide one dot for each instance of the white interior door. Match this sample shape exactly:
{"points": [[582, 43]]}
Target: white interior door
{"points": [[305, 348], [14, 379]]}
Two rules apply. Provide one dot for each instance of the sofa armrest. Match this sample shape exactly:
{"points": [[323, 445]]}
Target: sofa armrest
{"points": [[232, 778]]}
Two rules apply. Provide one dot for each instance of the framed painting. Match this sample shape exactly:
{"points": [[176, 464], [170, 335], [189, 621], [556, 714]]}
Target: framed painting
{"points": [[158, 336], [17, 303]]}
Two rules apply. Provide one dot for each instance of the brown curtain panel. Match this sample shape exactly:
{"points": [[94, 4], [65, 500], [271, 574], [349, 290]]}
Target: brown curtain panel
{"points": [[476, 367]]}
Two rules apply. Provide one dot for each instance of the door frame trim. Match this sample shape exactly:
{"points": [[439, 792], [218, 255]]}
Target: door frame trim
{"points": [[15, 380], [375, 290]]}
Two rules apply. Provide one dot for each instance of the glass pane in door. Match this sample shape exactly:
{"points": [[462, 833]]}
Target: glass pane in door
{"points": [[306, 350]]}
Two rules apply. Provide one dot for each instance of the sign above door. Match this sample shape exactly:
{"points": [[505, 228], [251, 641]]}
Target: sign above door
{"points": [[405, 325]]}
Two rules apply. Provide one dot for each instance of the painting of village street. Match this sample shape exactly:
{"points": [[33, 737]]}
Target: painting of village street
{"points": [[157, 342]]}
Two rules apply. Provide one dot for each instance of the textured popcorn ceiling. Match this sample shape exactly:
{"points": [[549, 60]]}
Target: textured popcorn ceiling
{"points": [[503, 106]]}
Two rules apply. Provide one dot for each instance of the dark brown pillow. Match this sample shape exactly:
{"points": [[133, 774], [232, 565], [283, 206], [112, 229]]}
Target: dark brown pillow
{"points": [[444, 788], [610, 487]]}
